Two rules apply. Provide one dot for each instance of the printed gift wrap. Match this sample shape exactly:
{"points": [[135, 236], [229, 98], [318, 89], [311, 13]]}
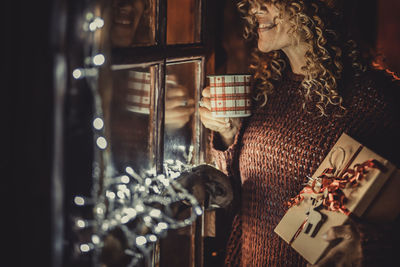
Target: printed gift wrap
{"points": [[230, 95], [351, 179]]}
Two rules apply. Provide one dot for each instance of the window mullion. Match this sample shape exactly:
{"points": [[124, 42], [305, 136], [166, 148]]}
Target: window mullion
{"points": [[162, 19], [160, 119]]}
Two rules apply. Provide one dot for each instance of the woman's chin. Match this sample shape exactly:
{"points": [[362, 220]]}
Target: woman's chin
{"points": [[263, 48], [121, 37]]}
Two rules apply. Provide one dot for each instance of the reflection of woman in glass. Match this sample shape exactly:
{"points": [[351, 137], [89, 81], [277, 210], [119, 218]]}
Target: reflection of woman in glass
{"points": [[130, 121], [131, 22], [179, 108]]}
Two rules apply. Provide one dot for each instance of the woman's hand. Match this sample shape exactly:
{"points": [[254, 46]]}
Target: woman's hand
{"points": [[178, 107], [347, 252], [226, 127]]}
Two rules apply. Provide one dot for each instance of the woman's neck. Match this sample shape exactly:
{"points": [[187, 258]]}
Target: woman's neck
{"points": [[296, 56]]}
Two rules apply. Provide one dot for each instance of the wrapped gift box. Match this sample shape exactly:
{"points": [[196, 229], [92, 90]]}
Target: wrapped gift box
{"points": [[375, 199]]}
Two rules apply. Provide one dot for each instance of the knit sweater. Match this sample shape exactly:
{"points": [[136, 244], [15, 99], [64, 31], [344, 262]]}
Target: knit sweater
{"points": [[281, 144]]}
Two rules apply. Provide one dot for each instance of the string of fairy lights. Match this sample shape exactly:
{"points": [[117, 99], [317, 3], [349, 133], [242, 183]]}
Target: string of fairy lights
{"points": [[138, 206]]}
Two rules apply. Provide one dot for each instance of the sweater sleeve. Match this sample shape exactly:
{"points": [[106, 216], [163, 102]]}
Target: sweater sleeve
{"points": [[226, 160], [224, 157], [234, 247], [380, 243]]}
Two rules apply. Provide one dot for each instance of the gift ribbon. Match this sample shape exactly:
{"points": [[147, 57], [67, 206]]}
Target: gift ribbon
{"points": [[330, 188]]}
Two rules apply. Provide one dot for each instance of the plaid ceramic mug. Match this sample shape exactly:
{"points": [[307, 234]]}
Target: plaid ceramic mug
{"points": [[230, 95], [138, 98], [138, 91]]}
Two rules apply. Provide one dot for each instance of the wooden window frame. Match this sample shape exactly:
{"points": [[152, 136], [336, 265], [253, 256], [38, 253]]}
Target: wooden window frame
{"points": [[162, 54]]}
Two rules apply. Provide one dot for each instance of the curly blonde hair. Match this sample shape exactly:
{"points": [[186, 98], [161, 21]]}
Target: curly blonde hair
{"points": [[325, 56]]}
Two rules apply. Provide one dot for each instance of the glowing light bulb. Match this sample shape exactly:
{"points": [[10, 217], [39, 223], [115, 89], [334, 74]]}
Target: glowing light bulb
{"points": [[77, 73], [162, 225], [92, 26], [80, 223], [84, 247], [131, 212], [139, 208], [100, 210], [125, 219], [110, 195], [147, 219], [80, 201], [98, 123], [99, 22], [147, 181], [95, 239], [155, 213], [99, 59], [101, 142], [153, 238], [198, 211], [175, 175], [163, 180], [125, 179], [105, 226], [120, 194], [141, 240], [156, 190], [89, 15], [129, 170]]}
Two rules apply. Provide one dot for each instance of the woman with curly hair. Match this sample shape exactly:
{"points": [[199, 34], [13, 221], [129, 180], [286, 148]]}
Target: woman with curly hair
{"points": [[311, 84]]}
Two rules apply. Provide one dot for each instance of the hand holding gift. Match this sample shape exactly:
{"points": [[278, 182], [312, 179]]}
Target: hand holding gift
{"points": [[354, 182], [347, 252]]}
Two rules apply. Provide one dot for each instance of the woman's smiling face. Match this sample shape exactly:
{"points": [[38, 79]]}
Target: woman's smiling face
{"points": [[126, 17], [272, 28]]}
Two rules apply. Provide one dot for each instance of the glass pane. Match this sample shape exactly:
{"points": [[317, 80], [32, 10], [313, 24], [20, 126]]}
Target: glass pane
{"points": [[133, 23], [180, 145], [182, 87], [131, 129], [183, 21]]}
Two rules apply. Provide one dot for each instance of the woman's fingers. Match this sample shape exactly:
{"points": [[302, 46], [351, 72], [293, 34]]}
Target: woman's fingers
{"points": [[342, 231], [175, 91], [221, 125], [205, 102], [215, 124], [206, 92], [347, 252], [179, 112], [205, 113], [179, 101]]}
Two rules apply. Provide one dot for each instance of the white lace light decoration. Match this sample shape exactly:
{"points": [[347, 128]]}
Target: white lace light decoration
{"points": [[143, 214]]}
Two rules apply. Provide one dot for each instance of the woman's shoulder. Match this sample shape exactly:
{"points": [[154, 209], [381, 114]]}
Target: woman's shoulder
{"points": [[375, 110], [379, 87], [384, 81]]}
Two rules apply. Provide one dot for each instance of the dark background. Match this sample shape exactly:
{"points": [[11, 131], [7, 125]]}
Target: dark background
{"points": [[28, 112]]}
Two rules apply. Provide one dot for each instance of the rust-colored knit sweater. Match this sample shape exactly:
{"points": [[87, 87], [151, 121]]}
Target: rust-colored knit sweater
{"points": [[280, 144]]}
